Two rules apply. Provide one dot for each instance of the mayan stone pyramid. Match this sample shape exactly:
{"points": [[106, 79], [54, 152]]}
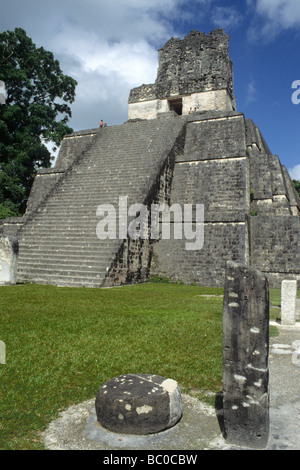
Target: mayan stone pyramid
{"points": [[184, 143]]}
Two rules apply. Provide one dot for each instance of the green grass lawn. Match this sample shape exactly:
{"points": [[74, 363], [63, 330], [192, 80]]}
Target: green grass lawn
{"points": [[62, 344]]}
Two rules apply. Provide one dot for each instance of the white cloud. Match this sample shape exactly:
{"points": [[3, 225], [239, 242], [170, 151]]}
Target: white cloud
{"points": [[133, 62], [226, 17], [283, 13], [105, 71], [111, 49], [108, 47], [251, 92], [277, 15], [295, 172]]}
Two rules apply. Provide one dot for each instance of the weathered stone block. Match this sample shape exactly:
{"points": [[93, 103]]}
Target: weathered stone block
{"points": [[245, 356], [288, 302], [205, 266], [197, 71], [297, 309], [202, 182], [138, 404], [280, 252], [2, 352], [216, 138], [9, 248], [2, 93]]}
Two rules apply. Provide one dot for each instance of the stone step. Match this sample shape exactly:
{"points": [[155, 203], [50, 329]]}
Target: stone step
{"points": [[88, 237], [52, 221], [62, 260], [66, 270], [71, 229], [60, 281], [67, 222], [40, 262], [62, 234], [48, 251], [60, 256], [69, 217], [65, 250], [63, 245], [59, 234], [123, 160], [90, 206], [81, 210], [80, 203]]}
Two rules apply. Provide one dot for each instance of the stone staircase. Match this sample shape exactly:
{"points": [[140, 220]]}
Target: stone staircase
{"points": [[58, 243]]}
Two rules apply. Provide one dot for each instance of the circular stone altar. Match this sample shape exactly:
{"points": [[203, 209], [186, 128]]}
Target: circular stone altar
{"points": [[138, 404]]}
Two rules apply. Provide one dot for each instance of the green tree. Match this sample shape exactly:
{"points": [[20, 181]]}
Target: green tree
{"points": [[36, 112], [296, 183]]}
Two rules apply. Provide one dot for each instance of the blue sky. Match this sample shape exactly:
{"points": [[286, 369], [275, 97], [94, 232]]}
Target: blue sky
{"points": [[111, 47]]}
